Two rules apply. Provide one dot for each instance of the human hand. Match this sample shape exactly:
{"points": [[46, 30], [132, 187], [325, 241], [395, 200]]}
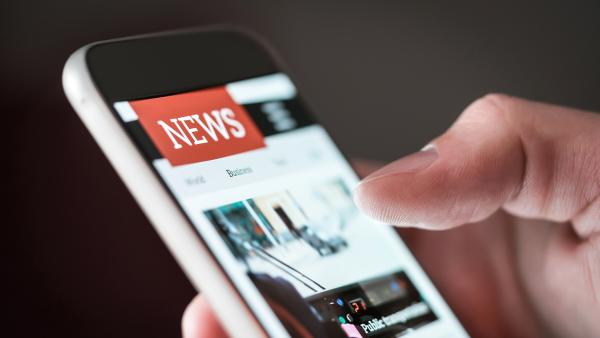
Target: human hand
{"points": [[526, 177]]}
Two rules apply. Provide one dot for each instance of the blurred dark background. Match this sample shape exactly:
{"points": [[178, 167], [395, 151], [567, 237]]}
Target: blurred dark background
{"points": [[385, 77]]}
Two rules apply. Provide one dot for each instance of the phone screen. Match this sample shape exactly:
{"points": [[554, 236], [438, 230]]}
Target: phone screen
{"points": [[271, 196]]}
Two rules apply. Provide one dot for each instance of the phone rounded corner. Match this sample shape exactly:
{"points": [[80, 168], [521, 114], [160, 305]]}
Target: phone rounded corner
{"points": [[72, 71]]}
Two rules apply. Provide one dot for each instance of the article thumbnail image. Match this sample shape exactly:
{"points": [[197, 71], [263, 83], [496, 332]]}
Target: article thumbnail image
{"points": [[279, 233]]}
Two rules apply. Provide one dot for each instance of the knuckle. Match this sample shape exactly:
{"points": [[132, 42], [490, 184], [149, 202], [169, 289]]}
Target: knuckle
{"points": [[491, 105], [492, 112], [496, 114], [496, 98]]}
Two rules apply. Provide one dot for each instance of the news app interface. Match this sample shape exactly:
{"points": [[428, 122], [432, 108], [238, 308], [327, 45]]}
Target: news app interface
{"points": [[271, 195]]}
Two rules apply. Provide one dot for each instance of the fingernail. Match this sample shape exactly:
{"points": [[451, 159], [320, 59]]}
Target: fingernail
{"points": [[410, 164]]}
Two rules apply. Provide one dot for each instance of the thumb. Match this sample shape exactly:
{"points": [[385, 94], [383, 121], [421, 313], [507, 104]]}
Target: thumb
{"points": [[533, 159]]}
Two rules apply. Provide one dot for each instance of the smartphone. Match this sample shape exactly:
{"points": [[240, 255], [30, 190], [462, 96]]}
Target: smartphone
{"points": [[248, 190]]}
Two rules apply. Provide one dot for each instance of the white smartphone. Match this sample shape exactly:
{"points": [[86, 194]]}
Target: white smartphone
{"points": [[248, 190]]}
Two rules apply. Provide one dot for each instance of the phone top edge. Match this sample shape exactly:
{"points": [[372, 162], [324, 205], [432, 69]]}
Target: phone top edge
{"points": [[158, 64]]}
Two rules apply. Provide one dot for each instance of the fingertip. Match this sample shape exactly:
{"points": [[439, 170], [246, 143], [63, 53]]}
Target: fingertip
{"points": [[191, 318], [198, 320], [434, 199], [371, 198], [362, 198], [373, 210]]}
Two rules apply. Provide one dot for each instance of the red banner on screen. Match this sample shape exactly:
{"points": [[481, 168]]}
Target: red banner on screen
{"points": [[198, 126]]}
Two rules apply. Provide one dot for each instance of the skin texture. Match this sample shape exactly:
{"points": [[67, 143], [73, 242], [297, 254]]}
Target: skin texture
{"points": [[515, 185]]}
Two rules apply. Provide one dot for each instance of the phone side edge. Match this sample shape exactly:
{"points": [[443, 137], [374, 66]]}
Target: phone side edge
{"points": [[164, 215]]}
